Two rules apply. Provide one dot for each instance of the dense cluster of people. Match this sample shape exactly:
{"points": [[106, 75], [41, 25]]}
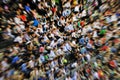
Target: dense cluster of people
{"points": [[53, 37]]}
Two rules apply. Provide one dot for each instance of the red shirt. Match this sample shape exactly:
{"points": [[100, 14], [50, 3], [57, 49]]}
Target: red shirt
{"points": [[41, 49], [82, 23], [104, 48], [91, 42], [116, 41], [53, 10], [23, 17], [112, 64], [103, 40], [88, 71]]}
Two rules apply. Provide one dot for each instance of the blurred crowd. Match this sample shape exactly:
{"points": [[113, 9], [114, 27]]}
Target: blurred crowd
{"points": [[54, 37]]}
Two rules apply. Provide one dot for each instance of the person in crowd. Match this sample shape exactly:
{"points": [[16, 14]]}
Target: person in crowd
{"points": [[60, 39]]}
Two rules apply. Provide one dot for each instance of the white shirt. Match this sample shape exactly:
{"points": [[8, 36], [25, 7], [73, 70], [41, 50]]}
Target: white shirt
{"points": [[49, 13], [31, 63], [88, 57], [52, 64], [18, 39], [75, 76], [75, 18], [18, 21], [68, 46], [67, 5], [52, 44], [89, 28], [113, 18], [62, 21], [64, 49], [9, 30], [76, 9], [41, 29], [22, 27], [83, 13], [52, 54], [2, 78], [5, 1], [95, 34], [108, 19], [59, 51], [96, 25], [60, 40], [17, 29], [84, 31], [73, 34], [89, 0], [95, 75], [34, 1], [73, 42], [74, 64], [70, 27], [68, 78], [4, 65], [45, 38], [66, 12]]}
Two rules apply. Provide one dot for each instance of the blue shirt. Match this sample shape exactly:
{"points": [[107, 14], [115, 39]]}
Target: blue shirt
{"points": [[83, 50], [89, 45], [15, 59], [10, 73], [113, 50], [42, 58], [86, 39], [35, 22], [117, 14], [74, 76], [24, 67], [27, 8], [81, 40]]}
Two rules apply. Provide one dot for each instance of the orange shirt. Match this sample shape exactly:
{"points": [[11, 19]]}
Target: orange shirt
{"points": [[100, 73], [107, 13]]}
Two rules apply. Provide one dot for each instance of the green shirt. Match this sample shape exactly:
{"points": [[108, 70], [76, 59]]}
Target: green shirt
{"points": [[78, 24], [46, 57], [57, 1], [102, 32]]}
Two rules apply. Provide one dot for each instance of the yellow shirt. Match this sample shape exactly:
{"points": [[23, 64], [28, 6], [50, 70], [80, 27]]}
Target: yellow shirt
{"points": [[75, 2]]}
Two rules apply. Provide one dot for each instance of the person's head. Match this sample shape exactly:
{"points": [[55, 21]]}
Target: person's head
{"points": [[5, 59], [9, 26], [28, 4]]}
